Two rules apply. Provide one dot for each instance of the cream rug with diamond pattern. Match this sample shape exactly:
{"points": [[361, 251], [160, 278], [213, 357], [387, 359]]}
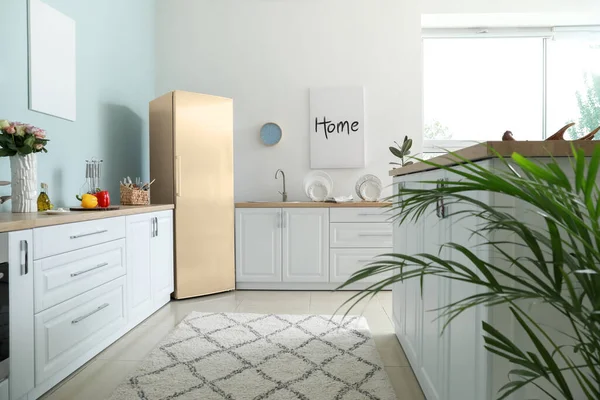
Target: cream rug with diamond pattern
{"points": [[271, 357]]}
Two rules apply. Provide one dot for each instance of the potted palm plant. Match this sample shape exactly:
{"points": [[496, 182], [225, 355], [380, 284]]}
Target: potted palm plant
{"points": [[561, 270]]}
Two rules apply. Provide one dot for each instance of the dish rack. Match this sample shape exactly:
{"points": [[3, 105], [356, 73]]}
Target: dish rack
{"points": [[131, 196]]}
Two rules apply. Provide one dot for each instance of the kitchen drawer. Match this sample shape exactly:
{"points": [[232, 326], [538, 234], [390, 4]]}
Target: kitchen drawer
{"points": [[360, 235], [58, 239], [345, 262], [62, 277], [69, 330], [372, 214]]}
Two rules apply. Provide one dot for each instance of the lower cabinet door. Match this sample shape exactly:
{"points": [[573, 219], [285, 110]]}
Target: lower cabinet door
{"points": [[69, 330], [20, 312], [161, 256], [139, 273], [345, 262], [306, 245], [258, 244]]}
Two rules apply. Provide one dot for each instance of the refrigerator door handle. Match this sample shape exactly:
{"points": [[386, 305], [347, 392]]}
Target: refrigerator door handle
{"points": [[178, 176]]}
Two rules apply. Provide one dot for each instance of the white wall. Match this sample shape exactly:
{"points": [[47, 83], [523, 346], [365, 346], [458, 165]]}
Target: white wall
{"points": [[266, 54]]}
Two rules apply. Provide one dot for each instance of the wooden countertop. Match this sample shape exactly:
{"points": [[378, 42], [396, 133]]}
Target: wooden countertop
{"points": [[485, 150], [19, 221], [309, 204]]}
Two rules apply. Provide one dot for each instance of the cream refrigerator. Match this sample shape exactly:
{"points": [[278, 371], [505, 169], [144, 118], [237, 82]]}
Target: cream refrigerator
{"points": [[191, 158]]}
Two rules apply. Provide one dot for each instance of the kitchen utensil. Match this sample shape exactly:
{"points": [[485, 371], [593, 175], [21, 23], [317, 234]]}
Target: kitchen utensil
{"points": [[4, 199], [4, 183], [318, 176], [317, 191], [370, 191], [374, 188]]}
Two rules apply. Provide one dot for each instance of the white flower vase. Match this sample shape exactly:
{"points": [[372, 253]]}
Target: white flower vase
{"points": [[24, 183]]}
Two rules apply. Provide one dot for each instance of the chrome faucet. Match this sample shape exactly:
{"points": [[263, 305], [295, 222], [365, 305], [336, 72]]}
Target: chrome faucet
{"points": [[284, 193]]}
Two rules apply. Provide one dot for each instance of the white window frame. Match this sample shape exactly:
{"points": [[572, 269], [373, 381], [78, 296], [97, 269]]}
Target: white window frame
{"points": [[544, 33]]}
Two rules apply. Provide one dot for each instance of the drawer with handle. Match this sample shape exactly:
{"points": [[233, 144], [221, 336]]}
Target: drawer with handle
{"points": [[345, 262], [360, 235], [367, 214], [62, 277], [71, 329], [52, 240]]}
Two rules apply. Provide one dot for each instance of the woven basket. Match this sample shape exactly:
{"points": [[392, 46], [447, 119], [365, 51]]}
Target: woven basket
{"points": [[134, 197]]}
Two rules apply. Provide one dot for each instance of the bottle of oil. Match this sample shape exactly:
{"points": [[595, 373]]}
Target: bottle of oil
{"points": [[43, 201]]}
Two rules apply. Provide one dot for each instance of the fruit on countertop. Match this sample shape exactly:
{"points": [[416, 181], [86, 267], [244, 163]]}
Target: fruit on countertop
{"points": [[103, 198], [89, 201]]}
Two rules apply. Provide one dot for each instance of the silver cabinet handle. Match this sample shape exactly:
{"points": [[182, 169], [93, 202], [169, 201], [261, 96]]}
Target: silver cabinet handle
{"points": [[279, 219], [152, 229], [375, 234], [79, 319], [85, 271], [24, 247], [437, 202], [367, 215], [284, 220], [156, 225], [88, 234]]}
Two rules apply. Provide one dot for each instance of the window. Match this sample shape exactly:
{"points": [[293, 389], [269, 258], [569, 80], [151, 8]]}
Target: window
{"points": [[532, 83]]}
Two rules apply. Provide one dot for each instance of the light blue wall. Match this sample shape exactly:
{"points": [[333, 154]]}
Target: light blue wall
{"points": [[115, 82]]}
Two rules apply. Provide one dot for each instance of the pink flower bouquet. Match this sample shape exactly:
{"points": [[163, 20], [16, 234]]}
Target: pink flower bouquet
{"points": [[18, 138]]}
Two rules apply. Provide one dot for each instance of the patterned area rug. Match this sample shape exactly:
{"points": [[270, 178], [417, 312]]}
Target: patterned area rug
{"points": [[253, 356]]}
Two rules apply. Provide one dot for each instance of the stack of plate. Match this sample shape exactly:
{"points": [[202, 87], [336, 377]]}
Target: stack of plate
{"points": [[368, 187], [318, 185]]}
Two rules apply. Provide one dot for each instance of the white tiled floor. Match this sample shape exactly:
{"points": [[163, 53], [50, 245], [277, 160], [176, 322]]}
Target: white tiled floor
{"points": [[98, 378]]}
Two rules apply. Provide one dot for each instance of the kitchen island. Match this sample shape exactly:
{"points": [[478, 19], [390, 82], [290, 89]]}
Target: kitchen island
{"points": [[455, 365], [76, 283]]}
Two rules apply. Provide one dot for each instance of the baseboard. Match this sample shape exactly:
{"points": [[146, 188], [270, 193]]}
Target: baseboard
{"points": [[299, 286]]}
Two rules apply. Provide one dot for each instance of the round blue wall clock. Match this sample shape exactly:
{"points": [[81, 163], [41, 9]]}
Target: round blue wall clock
{"points": [[270, 134]]}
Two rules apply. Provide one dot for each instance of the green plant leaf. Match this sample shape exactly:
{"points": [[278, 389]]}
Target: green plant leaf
{"points": [[396, 152]]}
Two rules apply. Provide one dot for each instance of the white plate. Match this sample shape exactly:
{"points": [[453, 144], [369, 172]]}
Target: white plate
{"points": [[370, 191], [323, 179], [317, 191], [374, 182], [57, 211]]}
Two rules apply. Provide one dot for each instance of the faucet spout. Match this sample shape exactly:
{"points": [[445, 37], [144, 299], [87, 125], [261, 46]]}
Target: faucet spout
{"points": [[284, 193]]}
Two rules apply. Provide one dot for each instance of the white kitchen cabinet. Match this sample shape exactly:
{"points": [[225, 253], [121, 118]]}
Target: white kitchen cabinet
{"points": [[302, 248], [67, 331], [345, 262], [452, 366], [258, 245], [305, 245], [140, 229], [149, 263], [161, 258], [20, 274]]}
